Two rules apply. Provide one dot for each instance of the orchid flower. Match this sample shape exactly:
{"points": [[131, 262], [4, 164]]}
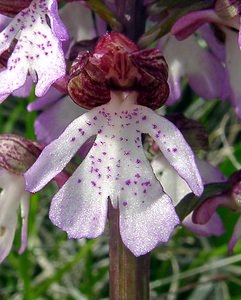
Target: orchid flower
{"points": [[225, 13], [38, 48], [226, 16], [206, 82], [116, 167]]}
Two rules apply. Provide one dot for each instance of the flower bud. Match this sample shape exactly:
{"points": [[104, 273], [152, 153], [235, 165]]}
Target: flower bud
{"points": [[117, 64], [17, 154]]}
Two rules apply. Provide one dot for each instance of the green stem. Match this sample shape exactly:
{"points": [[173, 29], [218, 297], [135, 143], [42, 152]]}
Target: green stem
{"points": [[129, 275]]}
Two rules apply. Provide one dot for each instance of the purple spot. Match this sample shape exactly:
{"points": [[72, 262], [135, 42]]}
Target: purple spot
{"points": [[146, 183], [143, 118], [168, 149], [128, 182], [144, 191], [174, 149], [138, 161], [125, 203], [99, 131], [73, 139], [104, 153], [79, 181], [154, 126], [137, 175], [93, 183]]}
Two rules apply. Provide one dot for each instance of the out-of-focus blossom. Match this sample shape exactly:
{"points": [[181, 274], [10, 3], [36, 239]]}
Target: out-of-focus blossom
{"points": [[38, 32], [177, 188], [229, 25], [189, 23], [184, 59], [16, 156], [115, 167]]}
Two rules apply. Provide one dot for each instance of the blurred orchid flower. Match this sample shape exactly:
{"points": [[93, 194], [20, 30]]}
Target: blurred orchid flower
{"points": [[207, 81], [38, 50], [225, 15]]}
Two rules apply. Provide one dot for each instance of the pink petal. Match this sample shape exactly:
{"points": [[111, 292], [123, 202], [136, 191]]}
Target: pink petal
{"points": [[214, 227], [37, 52], [189, 23]]}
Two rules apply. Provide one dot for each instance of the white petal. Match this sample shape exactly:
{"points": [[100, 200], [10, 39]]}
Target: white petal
{"points": [[56, 155]]}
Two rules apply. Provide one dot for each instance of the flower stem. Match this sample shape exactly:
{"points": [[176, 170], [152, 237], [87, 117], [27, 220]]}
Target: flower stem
{"points": [[132, 16], [129, 275]]}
